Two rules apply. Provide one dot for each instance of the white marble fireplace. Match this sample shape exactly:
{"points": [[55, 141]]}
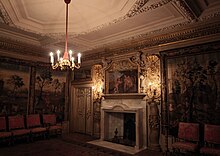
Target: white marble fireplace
{"points": [[112, 109]]}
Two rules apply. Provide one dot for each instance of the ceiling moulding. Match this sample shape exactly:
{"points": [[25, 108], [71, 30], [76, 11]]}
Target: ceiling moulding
{"points": [[176, 27], [17, 56], [132, 12], [5, 17], [185, 9], [25, 62], [22, 48], [137, 9], [19, 32], [183, 35]]}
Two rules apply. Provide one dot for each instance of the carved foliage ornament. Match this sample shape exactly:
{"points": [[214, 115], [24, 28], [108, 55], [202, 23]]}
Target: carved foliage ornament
{"points": [[122, 65], [98, 81], [151, 77]]}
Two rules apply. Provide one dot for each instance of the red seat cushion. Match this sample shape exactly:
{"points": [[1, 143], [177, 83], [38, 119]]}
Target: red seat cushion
{"points": [[20, 132], [210, 150], [33, 120], [38, 130], [185, 146], [5, 134], [188, 131], [212, 134], [16, 122]]}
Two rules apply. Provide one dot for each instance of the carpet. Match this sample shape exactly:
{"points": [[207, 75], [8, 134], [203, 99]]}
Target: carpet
{"points": [[51, 147], [67, 145]]}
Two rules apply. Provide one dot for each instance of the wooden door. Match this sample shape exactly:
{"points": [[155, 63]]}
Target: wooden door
{"points": [[82, 110]]}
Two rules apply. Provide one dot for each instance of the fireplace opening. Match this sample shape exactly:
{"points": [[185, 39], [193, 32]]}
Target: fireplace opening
{"points": [[122, 128]]}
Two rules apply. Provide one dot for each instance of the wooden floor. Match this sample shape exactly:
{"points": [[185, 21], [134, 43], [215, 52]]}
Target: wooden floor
{"points": [[67, 145]]}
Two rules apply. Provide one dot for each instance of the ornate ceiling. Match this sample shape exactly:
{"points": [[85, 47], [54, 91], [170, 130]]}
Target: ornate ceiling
{"points": [[35, 27]]}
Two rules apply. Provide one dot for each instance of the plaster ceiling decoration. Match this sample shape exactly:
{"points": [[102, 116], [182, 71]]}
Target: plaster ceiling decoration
{"points": [[95, 24]]}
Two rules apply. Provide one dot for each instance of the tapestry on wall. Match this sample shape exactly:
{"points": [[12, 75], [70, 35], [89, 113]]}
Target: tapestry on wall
{"points": [[50, 92], [14, 84], [192, 85]]}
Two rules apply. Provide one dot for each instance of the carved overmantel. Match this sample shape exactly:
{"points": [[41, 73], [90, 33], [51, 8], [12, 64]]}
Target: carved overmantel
{"points": [[122, 66]]}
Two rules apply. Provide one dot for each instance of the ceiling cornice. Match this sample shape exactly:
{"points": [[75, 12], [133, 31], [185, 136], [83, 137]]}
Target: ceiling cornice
{"points": [[151, 41], [138, 43], [184, 7], [4, 16], [26, 49]]}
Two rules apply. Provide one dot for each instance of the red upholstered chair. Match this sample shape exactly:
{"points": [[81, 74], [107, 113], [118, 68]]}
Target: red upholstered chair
{"points": [[212, 140], [188, 138], [34, 124], [4, 135], [49, 121], [17, 127]]}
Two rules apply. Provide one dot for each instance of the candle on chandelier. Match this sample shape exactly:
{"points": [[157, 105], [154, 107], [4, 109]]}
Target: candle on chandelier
{"points": [[70, 53], [72, 59], [79, 58], [58, 55], [51, 58]]}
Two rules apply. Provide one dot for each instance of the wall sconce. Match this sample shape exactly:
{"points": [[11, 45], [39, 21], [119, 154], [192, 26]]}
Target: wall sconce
{"points": [[153, 89], [97, 89], [98, 81]]}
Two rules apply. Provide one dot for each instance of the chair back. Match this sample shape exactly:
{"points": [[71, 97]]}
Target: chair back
{"points": [[188, 131], [16, 122], [212, 133], [2, 123], [49, 119], [33, 120]]}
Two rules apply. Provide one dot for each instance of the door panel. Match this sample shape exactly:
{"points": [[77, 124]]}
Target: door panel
{"points": [[82, 108]]}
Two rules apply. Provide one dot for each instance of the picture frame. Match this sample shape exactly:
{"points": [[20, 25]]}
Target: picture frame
{"points": [[189, 92], [123, 81], [119, 80]]}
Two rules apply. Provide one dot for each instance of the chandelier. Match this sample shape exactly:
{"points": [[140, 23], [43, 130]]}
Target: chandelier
{"points": [[67, 61]]}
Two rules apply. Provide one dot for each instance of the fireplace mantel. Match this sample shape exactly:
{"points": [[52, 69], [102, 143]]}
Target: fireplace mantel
{"points": [[125, 96], [124, 103]]}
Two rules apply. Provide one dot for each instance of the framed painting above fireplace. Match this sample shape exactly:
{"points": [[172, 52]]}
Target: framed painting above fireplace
{"points": [[123, 81], [122, 77]]}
